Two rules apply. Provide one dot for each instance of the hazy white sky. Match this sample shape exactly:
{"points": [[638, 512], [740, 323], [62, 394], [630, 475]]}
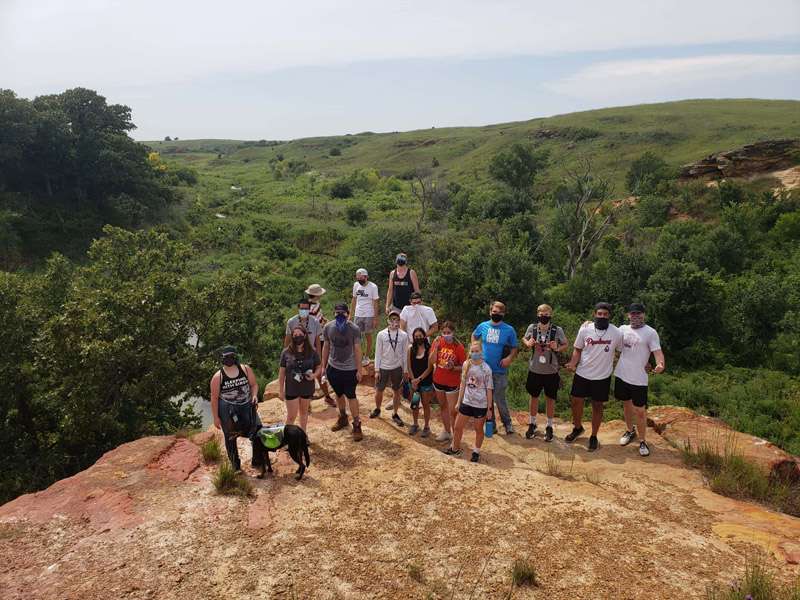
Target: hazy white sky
{"points": [[264, 69]]}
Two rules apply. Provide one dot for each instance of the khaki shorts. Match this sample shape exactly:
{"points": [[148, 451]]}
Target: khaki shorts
{"points": [[365, 324], [387, 376]]}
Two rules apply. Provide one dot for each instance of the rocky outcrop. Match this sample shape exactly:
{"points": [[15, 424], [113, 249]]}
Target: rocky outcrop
{"points": [[752, 159]]}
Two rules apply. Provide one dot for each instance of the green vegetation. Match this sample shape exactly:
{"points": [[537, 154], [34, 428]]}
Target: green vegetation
{"points": [[528, 212], [211, 451], [523, 573], [230, 483], [730, 474], [757, 583]]}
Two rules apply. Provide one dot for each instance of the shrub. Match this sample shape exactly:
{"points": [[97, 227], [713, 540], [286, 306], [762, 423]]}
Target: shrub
{"points": [[523, 573], [646, 173], [652, 210], [335, 152], [230, 483], [757, 583], [211, 451], [415, 572], [355, 214], [341, 189]]}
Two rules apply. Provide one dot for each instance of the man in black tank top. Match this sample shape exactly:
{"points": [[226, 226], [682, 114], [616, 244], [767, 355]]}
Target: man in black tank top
{"points": [[402, 283], [234, 397]]}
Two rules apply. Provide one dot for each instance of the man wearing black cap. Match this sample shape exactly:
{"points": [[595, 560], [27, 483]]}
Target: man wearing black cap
{"points": [[234, 397], [402, 283], [630, 376], [592, 361], [341, 360]]}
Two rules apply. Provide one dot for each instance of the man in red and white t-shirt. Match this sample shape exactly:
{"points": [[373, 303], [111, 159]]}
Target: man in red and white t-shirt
{"points": [[630, 381], [592, 361]]}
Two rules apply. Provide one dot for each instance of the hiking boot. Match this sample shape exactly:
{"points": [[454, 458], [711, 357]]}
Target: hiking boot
{"points": [[413, 429], [341, 423], [573, 435], [426, 431], [548, 434], [397, 420], [627, 437], [476, 456], [593, 443], [376, 412], [531, 431], [644, 449], [357, 435], [444, 437], [450, 452]]}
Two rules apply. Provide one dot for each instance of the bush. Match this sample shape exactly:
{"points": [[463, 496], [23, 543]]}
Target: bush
{"points": [[652, 210], [335, 152], [646, 173], [211, 451], [757, 583], [341, 190], [230, 483], [523, 573], [355, 214]]}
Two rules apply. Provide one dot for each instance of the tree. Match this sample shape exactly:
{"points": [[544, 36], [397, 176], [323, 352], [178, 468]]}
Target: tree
{"points": [[167, 138], [583, 216], [341, 190], [430, 192], [355, 214], [646, 173], [517, 168]]}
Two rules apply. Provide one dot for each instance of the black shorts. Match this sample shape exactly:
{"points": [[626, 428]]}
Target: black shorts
{"points": [[537, 382], [625, 391], [389, 376], [472, 411], [343, 382], [447, 389], [596, 389]]}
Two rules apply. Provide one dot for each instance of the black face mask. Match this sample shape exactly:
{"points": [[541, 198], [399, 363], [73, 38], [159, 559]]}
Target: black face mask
{"points": [[362, 281], [298, 339], [401, 262], [497, 317], [601, 322], [228, 361], [544, 319]]}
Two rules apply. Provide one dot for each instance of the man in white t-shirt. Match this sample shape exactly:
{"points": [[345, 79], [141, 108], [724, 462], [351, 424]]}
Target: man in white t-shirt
{"points": [[418, 316], [364, 309], [592, 361], [630, 376]]}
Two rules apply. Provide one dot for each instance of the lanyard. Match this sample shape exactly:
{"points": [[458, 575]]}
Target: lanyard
{"points": [[393, 343]]}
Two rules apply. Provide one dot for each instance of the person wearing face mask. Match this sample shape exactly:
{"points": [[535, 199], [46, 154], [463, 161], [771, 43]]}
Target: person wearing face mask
{"points": [[234, 397], [630, 376], [314, 292], [341, 361], [391, 365], [364, 307], [546, 340], [499, 342], [299, 366], [417, 315], [422, 380], [474, 401], [402, 283], [592, 361], [309, 323], [446, 358]]}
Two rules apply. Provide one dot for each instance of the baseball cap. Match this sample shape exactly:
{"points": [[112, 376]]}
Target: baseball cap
{"points": [[342, 307], [602, 305], [394, 313], [416, 296], [636, 307], [363, 272], [227, 350]]}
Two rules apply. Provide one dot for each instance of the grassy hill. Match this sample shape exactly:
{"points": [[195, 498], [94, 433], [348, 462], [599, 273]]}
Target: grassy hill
{"points": [[612, 138]]}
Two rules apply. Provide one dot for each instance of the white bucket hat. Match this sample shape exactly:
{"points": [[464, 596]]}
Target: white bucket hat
{"points": [[315, 289]]}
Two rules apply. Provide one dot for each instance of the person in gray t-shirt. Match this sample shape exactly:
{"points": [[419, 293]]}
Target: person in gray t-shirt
{"points": [[546, 340]]}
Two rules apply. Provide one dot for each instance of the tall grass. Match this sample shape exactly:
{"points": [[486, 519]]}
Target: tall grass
{"points": [[211, 451], [757, 583], [230, 483]]}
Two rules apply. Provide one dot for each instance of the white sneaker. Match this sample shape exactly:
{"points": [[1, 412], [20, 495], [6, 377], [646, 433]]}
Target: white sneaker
{"points": [[627, 437], [365, 362], [444, 437], [644, 449]]}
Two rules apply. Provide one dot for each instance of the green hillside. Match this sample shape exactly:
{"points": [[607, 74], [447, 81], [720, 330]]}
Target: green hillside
{"points": [[612, 138]]}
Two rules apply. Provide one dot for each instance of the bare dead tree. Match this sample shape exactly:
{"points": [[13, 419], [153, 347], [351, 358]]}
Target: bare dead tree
{"points": [[585, 214], [430, 191]]}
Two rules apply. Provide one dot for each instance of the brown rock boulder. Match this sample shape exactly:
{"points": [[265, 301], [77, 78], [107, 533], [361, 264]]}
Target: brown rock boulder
{"points": [[748, 160]]}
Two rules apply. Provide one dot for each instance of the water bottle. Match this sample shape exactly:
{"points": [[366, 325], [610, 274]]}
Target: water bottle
{"points": [[488, 427], [415, 400]]}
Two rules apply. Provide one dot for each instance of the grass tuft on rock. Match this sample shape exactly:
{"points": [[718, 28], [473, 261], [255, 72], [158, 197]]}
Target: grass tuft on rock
{"points": [[211, 451], [757, 583], [523, 573], [230, 483]]}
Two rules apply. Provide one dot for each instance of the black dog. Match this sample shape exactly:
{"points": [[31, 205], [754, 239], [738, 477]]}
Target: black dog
{"points": [[296, 442]]}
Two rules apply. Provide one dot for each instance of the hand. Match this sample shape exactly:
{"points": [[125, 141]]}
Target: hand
{"points": [[505, 362], [217, 423], [659, 369], [407, 376], [570, 366], [254, 400], [553, 345]]}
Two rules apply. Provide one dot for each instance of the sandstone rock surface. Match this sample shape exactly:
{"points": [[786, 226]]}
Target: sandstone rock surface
{"points": [[769, 155]]}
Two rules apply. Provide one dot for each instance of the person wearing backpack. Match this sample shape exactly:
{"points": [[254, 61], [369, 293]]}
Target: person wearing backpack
{"points": [[546, 340], [234, 398]]}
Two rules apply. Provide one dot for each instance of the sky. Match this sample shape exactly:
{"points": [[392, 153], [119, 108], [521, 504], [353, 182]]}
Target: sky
{"points": [[260, 69]]}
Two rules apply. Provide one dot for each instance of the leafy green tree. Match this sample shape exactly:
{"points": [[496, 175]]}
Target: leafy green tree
{"points": [[646, 173], [517, 168], [355, 214]]}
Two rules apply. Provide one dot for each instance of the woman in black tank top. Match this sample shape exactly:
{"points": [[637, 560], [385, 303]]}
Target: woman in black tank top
{"points": [[402, 288], [422, 382]]}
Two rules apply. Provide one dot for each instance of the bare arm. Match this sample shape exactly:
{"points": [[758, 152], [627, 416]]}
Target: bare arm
{"points": [[326, 350], [375, 310], [404, 326], [389, 292], [353, 309], [359, 368], [415, 281], [573, 362], [660, 363], [251, 379], [433, 328], [462, 387], [282, 383], [215, 400]]}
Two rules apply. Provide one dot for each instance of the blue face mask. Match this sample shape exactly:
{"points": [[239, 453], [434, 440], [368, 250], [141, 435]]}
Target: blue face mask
{"points": [[303, 312], [447, 338], [475, 355]]}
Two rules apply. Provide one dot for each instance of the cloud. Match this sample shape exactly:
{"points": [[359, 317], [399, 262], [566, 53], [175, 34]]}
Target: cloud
{"points": [[119, 42], [638, 80]]}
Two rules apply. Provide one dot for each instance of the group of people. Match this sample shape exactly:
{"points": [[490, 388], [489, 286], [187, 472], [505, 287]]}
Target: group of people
{"points": [[415, 351]]}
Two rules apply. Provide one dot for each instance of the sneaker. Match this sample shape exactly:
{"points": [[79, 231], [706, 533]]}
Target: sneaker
{"points": [[357, 435], [376, 412], [548, 434], [413, 430], [627, 437], [450, 452], [341, 423], [510, 430], [397, 420], [593, 443], [444, 437], [531, 431], [426, 431], [365, 361], [476, 456], [644, 449], [572, 436]]}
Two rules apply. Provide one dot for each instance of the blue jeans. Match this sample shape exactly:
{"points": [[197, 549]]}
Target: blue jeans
{"points": [[500, 381]]}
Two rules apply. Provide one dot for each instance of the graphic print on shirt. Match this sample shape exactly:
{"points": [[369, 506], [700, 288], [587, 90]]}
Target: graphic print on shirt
{"points": [[235, 390], [493, 335], [446, 358], [472, 382], [631, 340], [363, 292], [590, 341]]}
